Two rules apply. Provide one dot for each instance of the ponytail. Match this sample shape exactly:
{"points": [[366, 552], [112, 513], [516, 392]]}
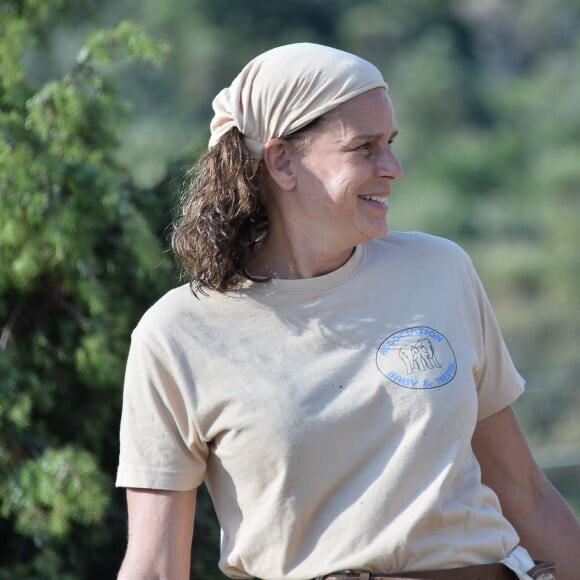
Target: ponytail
{"points": [[220, 218]]}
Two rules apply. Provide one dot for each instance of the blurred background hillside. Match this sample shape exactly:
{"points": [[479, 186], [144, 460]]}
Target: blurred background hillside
{"points": [[99, 118]]}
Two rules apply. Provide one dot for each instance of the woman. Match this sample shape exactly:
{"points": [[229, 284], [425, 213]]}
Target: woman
{"points": [[342, 392]]}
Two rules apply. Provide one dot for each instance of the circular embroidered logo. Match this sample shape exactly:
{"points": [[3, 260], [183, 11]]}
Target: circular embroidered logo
{"points": [[417, 358]]}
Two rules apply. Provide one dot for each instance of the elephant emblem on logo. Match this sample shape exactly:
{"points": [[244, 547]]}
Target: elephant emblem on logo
{"points": [[419, 356]]}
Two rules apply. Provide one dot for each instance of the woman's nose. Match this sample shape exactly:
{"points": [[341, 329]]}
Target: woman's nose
{"points": [[389, 165]]}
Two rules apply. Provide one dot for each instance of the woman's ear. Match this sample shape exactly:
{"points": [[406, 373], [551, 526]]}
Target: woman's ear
{"points": [[279, 158]]}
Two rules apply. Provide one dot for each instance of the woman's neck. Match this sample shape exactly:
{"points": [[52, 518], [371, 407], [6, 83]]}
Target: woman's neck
{"points": [[276, 257]]}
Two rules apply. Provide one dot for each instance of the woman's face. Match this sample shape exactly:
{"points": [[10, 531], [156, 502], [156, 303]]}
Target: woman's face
{"points": [[344, 175]]}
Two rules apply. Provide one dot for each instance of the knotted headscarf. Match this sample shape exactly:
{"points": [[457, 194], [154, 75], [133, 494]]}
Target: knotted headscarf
{"points": [[284, 89]]}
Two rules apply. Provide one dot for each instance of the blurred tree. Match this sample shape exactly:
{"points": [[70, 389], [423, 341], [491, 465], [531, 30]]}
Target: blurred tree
{"points": [[81, 258]]}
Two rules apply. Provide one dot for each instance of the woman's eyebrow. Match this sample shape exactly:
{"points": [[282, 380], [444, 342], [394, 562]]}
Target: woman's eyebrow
{"points": [[372, 136]]}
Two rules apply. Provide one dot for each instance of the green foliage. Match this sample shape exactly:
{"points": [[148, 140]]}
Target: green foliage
{"points": [[127, 41], [82, 258], [48, 494]]}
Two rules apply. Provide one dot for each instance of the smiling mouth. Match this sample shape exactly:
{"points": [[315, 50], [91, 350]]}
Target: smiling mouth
{"points": [[382, 199]]}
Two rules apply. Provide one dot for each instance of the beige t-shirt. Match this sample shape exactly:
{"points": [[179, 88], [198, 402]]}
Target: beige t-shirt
{"points": [[330, 417]]}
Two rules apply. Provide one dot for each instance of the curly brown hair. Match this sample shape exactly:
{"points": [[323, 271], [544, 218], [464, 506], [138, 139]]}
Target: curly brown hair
{"points": [[220, 216]]}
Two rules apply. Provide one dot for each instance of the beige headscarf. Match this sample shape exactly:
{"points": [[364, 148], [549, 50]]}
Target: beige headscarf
{"points": [[286, 88]]}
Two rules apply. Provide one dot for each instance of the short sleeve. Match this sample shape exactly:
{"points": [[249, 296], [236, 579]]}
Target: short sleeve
{"points": [[498, 382], [160, 447]]}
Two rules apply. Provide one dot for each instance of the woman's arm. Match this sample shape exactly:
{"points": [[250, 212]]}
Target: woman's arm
{"points": [[546, 525], [160, 534]]}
